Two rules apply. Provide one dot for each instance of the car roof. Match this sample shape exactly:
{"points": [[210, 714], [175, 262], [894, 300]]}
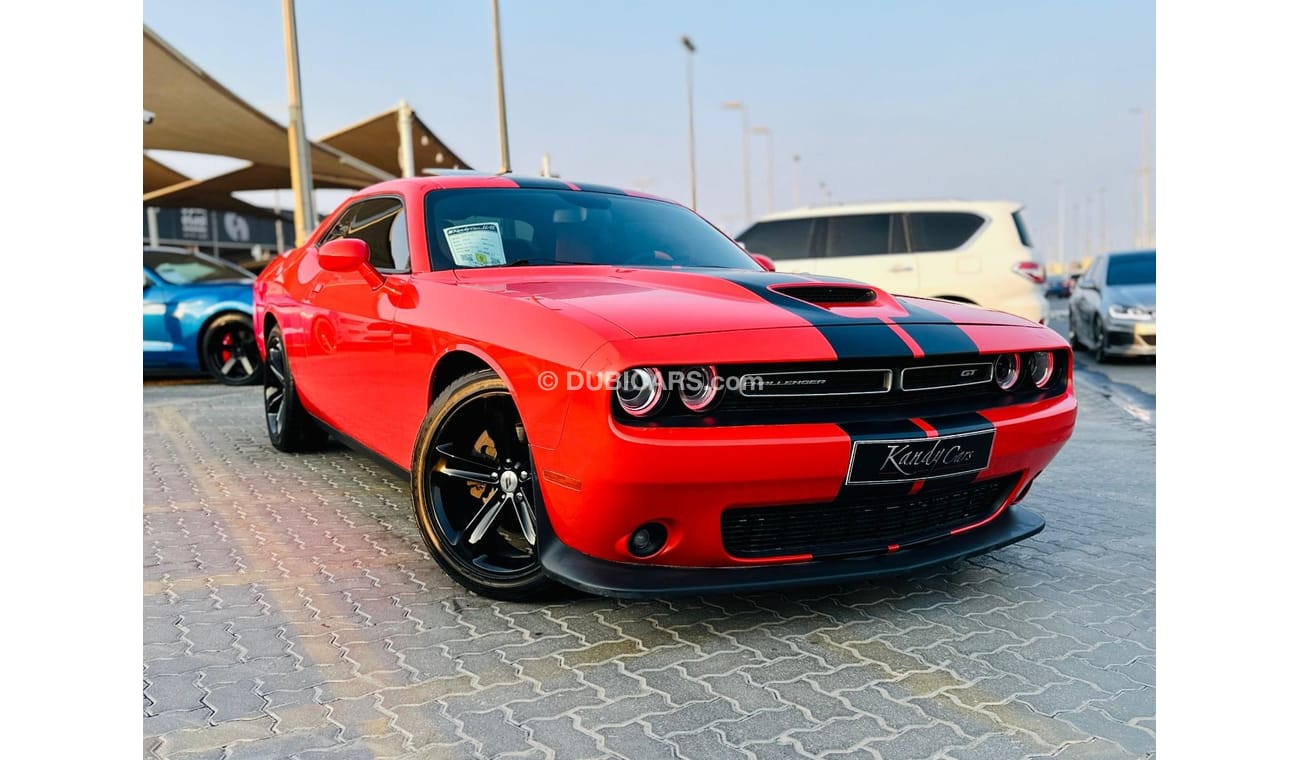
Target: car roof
{"points": [[503, 181], [880, 207]]}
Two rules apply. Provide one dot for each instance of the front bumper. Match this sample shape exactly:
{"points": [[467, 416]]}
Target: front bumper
{"points": [[1125, 338], [605, 480], [627, 580]]}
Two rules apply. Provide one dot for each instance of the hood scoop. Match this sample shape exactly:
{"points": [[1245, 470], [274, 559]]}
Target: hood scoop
{"points": [[828, 296]]}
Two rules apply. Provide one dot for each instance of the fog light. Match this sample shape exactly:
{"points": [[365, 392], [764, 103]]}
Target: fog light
{"points": [[1006, 370], [647, 540]]}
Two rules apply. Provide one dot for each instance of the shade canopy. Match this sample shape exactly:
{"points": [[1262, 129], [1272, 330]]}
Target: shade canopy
{"points": [[376, 142], [157, 176], [194, 113]]}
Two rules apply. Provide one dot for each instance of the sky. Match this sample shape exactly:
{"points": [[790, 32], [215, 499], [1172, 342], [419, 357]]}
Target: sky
{"points": [[999, 100]]}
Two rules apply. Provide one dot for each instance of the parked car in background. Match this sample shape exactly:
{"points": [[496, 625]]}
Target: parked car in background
{"points": [[1113, 308], [1058, 286], [601, 389], [968, 251], [198, 316]]}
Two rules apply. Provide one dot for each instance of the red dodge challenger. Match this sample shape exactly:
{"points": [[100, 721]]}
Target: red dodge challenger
{"points": [[597, 387]]}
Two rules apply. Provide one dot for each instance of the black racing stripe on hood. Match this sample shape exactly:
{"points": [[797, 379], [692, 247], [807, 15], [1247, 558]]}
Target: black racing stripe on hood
{"points": [[844, 334], [933, 332], [539, 183]]}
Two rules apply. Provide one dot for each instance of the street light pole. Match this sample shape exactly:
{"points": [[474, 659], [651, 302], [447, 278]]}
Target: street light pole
{"points": [[736, 105], [795, 186], [501, 89], [1060, 223], [304, 210], [1101, 221], [771, 187], [690, 107], [1144, 174]]}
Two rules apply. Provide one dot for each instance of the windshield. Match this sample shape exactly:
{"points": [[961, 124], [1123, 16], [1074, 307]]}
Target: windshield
{"points": [[188, 268], [489, 227], [1132, 269]]}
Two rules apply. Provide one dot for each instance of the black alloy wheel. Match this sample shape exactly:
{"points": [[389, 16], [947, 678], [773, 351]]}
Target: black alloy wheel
{"points": [[1099, 344], [230, 351], [474, 490], [289, 426]]}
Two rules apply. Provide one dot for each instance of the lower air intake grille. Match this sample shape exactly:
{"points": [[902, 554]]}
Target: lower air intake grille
{"points": [[857, 527]]}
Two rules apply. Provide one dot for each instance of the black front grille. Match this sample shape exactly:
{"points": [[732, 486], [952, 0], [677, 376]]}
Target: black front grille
{"points": [[1150, 340], [946, 376], [860, 526]]}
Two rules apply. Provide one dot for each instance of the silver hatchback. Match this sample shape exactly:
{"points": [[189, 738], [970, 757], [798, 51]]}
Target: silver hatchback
{"points": [[1113, 306]]}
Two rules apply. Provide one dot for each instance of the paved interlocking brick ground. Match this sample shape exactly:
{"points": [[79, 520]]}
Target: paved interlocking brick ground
{"points": [[291, 610]]}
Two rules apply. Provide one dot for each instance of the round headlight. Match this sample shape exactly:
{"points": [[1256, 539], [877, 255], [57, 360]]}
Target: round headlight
{"points": [[640, 390], [1006, 370], [700, 387], [1040, 368]]}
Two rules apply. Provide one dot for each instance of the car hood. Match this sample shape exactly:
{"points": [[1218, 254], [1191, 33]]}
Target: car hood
{"points": [[1143, 296], [662, 302]]}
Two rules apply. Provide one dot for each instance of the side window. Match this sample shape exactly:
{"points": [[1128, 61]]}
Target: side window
{"points": [[340, 227], [784, 239], [397, 243], [381, 224], [864, 235], [942, 231]]}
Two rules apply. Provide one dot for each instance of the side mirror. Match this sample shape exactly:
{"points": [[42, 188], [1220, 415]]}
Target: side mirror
{"points": [[764, 261], [349, 255], [343, 255]]}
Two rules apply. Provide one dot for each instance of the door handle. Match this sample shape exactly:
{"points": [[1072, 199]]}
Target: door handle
{"points": [[901, 268]]}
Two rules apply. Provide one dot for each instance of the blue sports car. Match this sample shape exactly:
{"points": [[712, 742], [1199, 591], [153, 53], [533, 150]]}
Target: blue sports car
{"points": [[198, 315]]}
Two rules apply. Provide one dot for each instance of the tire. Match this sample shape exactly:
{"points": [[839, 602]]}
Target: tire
{"points": [[229, 353], [1074, 335], [1099, 348], [473, 491], [290, 427]]}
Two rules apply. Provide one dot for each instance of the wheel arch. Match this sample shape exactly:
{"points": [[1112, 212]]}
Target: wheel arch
{"points": [[218, 313], [958, 299], [456, 363]]}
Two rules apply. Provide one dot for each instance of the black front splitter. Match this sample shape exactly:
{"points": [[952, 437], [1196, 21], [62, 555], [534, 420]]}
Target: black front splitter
{"points": [[637, 581]]}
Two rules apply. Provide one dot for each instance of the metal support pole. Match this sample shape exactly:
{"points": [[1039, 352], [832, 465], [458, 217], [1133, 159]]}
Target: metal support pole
{"points": [[501, 89], [405, 140], [690, 109], [279, 228], [304, 206], [151, 213]]}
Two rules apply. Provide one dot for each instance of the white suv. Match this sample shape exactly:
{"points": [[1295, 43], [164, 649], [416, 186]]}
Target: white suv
{"points": [[973, 251]]}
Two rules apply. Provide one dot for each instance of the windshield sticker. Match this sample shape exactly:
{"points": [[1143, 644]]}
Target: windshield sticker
{"points": [[476, 245]]}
